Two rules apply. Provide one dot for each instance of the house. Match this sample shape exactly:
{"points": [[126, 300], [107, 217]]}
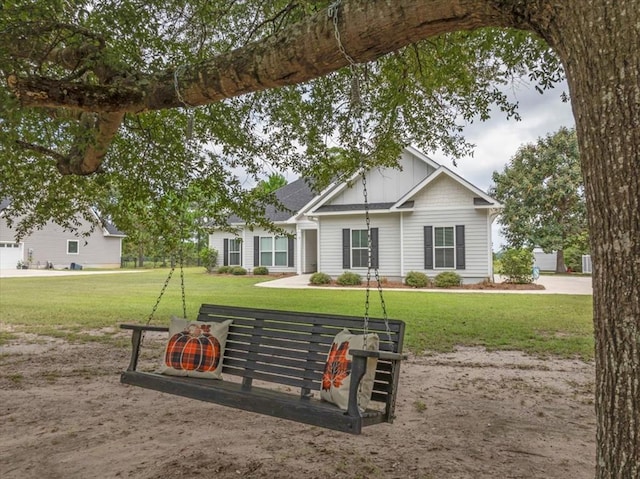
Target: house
{"points": [[423, 217], [52, 245]]}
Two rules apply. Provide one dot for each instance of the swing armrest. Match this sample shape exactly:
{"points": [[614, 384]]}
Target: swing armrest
{"points": [[358, 370], [378, 355], [144, 327], [136, 339]]}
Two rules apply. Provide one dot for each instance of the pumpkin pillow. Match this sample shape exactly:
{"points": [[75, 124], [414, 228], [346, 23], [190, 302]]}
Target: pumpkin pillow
{"points": [[195, 348], [337, 372]]}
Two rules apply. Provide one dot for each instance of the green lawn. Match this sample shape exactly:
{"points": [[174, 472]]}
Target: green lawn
{"points": [[70, 305]]}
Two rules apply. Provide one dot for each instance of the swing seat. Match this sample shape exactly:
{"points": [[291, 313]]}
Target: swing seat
{"points": [[285, 353]]}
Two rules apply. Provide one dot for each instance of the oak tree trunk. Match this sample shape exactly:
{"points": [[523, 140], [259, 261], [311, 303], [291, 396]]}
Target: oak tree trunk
{"points": [[560, 266], [599, 43]]}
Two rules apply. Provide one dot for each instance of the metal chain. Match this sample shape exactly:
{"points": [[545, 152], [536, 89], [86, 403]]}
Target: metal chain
{"points": [[332, 12], [164, 287]]}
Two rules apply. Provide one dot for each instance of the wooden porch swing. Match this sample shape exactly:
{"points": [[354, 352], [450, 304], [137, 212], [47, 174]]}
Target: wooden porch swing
{"points": [[274, 361]]}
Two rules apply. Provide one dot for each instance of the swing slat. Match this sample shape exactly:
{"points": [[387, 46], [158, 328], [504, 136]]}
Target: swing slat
{"points": [[286, 351]]}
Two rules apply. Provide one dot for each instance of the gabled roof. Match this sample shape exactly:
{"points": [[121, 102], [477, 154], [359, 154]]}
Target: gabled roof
{"points": [[293, 197], [108, 228], [482, 200]]}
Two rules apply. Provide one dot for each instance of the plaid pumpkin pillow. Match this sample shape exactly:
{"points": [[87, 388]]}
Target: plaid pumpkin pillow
{"points": [[195, 349], [336, 379]]}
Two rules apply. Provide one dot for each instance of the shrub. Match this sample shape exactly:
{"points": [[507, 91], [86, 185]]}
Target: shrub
{"points": [[260, 270], [238, 270], [447, 279], [416, 279], [349, 279], [209, 258], [320, 278], [517, 265], [224, 269]]}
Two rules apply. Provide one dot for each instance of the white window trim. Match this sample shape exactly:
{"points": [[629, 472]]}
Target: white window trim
{"points": [[78, 247], [453, 247], [352, 248], [273, 252], [234, 241]]}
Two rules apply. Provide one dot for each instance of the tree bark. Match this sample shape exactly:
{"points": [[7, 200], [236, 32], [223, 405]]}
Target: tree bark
{"points": [[599, 43], [560, 266]]}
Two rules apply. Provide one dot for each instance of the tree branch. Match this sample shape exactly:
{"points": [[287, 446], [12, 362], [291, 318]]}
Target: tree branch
{"points": [[89, 147], [298, 53]]}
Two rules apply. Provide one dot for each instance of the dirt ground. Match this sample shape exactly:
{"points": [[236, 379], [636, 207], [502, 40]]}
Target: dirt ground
{"points": [[467, 414]]}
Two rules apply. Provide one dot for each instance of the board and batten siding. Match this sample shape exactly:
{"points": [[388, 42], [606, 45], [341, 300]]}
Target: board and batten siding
{"points": [[216, 241], [383, 184], [330, 243]]}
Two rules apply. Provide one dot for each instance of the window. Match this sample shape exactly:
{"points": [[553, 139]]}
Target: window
{"points": [[355, 250], [444, 247], [234, 252], [274, 251], [359, 249], [73, 247]]}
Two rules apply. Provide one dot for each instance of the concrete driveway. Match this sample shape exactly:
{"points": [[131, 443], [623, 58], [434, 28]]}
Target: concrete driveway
{"points": [[31, 273], [553, 285], [565, 284]]}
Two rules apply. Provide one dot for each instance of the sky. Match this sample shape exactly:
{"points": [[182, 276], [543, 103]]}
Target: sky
{"points": [[497, 140]]}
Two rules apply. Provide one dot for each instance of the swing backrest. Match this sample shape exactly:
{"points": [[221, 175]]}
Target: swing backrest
{"points": [[290, 348]]}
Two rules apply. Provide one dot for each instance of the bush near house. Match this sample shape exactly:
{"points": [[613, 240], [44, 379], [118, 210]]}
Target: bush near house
{"points": [[209, 258], [224, 269], [416, 279], [238, 271], [349, 279], [320, 278], [260, 270], [517, 265], [448, 279]]}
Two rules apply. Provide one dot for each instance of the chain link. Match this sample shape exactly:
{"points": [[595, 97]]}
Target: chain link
{"points": [[333, 13]]}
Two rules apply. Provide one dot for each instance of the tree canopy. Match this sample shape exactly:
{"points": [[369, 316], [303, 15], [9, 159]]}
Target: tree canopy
{"points": [[90, 57], [542, 191]]}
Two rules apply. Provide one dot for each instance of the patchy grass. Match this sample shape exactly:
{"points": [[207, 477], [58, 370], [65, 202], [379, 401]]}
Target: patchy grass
{"points": [[75, 307]]}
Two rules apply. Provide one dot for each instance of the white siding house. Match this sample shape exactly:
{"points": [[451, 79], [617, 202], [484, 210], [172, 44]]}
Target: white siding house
{"points": [[423, 217], [58, 247]]}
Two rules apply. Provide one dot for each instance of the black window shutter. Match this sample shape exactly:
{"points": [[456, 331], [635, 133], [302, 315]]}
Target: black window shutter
{"points": [[290, 252], [460, 260], [346, 248], [374, 248], [256, 250], [428, 247], [225, 253]]}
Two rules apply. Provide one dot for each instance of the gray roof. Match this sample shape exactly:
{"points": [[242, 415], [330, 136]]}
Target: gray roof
{"points": [[293, 198], [360, 207], [109, 227], [353, 207]]}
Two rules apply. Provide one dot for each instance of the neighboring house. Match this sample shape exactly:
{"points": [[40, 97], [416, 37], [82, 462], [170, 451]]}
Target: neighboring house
{"points": [[55, 246], [544, 261], [423, 217]]}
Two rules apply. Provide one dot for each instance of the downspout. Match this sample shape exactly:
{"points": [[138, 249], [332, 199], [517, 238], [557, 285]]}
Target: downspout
{"points": [[493, 214], [298, 250], [402, 274]]}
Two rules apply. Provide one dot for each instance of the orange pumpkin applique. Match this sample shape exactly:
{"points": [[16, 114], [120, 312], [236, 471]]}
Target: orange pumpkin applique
{"points": [[193, 349], [338, 367]]}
